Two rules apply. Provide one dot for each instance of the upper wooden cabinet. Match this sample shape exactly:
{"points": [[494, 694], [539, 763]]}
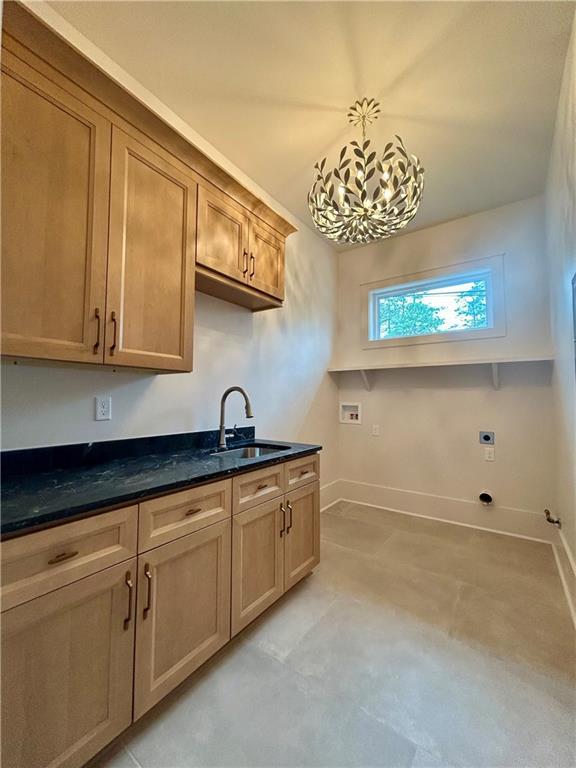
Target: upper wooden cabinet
{"points": [[222, 234], [55, 181], [101, 217], [266, 272], [150, 307], [239, 257]]}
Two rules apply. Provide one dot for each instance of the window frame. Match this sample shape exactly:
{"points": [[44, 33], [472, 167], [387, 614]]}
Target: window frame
{"points": [[491, 268]]}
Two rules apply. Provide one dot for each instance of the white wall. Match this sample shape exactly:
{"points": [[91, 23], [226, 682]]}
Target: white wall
{"points": [[280, 356], [561, 230], [430, 417], [516, 230]]}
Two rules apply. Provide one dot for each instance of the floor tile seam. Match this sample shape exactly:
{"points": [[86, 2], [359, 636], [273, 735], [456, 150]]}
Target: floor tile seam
{"points": [[497, 597]]}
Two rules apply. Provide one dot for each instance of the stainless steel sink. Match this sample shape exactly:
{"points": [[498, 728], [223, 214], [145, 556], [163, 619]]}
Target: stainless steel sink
{"points": [[252, 451]]}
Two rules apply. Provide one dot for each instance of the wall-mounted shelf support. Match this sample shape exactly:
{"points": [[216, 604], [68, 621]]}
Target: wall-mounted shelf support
{"points": [[366, 372], [366, 379], [495, 375]]}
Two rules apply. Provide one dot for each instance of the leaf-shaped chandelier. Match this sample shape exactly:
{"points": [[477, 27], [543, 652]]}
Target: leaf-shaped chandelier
{"points": [[366, 197]]}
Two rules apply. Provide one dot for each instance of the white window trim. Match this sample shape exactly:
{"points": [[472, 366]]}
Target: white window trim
{"points": [[496, 303]]}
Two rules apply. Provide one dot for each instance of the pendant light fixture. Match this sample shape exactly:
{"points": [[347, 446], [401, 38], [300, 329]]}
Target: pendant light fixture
{"points": [[367, 197]]}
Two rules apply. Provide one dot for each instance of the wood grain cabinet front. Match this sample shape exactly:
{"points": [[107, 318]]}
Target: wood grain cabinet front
{"points": [[266, 260], [169, 517], [67, 671], [302, 539], [151, 255], [223, 226], [55, 181], [257, 561], [183, 610], [302, 471], [259, 486], [40, 562]]}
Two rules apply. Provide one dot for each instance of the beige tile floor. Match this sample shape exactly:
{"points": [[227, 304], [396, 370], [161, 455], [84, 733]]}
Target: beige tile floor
{"points": [[415, 643]]}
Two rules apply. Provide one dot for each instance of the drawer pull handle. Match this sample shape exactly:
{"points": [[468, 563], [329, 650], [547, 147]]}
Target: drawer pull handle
{"points": [[62, 557], [262, 486], [148, 575], [303, 472], [283, 529], [289, 507], [130, 584], [193, 511], [97, 342], [114, 340]]}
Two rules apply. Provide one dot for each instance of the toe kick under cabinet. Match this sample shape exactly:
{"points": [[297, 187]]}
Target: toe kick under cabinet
{"points": [[102, 617]]}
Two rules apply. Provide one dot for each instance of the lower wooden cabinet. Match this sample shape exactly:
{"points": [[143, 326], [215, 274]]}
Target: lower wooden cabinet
{"points": [[183, 610], [67, 666], [274, 545], [302, 539], [83, 654], [257, 561]]}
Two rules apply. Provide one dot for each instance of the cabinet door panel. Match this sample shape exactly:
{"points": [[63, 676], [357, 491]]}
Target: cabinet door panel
{"points": [[151, 259], [266, 261], [302, 541], [55, 181], [257, 561], [67, 665], [222, 235], [183, 610]]}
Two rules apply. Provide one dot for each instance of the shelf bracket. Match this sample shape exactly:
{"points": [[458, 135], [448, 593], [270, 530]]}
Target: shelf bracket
{"points": [[366, 380], [495, 375]]}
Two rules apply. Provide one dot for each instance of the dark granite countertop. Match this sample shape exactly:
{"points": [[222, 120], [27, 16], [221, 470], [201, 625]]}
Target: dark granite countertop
{"points": [[89, 478]]}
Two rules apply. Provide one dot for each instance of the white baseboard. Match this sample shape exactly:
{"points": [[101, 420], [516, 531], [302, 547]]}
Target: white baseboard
{"points": [[329, 495], [567, 571], [508, 520]]}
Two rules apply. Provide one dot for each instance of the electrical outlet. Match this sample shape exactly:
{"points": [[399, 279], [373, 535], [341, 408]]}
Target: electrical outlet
{"points": [[102, 408], [489, 453], [375, 430]]}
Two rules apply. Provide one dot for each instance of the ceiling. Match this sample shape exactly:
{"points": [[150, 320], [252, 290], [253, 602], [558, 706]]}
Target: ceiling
{"points": [[471, 87]]}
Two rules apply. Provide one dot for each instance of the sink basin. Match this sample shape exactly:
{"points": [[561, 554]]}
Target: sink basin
{"points": [[252, 451]]}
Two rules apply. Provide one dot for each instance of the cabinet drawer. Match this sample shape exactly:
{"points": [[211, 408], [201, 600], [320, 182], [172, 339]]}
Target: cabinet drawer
{"points": [[37, 563], [257, 487], [302, 471], [169, 517]]}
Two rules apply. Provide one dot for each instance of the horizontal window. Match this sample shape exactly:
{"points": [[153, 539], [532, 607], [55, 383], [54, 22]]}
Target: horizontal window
{"points": [[448, 306]]}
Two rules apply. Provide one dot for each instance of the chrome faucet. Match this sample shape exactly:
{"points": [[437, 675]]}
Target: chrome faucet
{"points": [[247, 405]]}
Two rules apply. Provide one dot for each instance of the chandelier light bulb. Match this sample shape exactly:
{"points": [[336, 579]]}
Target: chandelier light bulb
{"points": [[366, 197]]}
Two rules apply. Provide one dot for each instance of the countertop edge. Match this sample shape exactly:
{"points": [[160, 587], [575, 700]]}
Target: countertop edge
{"points": [[71, 514]]}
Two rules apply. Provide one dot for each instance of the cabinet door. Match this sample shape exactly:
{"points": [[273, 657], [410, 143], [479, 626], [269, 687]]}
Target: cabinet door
{"points": [[67, 664], [266, 268], [150, 302], [183, 610], [222, 235], [257, 561], [302, 541], [55, 181]]}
